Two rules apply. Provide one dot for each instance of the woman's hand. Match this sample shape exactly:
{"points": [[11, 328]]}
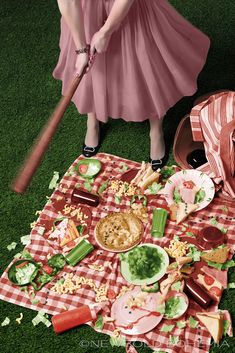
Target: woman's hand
{"points": [[99, 42], [81, 62]]}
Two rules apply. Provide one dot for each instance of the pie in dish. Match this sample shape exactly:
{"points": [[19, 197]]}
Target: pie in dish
{"points": [[119, 231]]}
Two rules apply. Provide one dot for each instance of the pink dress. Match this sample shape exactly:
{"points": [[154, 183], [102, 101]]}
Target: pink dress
{"points": [[152, 61]]}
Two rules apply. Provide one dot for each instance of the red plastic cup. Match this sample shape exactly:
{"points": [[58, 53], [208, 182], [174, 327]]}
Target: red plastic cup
{"points": [[83, 197], [211, 237]]}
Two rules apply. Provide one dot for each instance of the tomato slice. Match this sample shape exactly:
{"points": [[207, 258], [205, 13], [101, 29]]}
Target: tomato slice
{"points": [[83, 168], [22, 264], [216, 291], [111, 294], [209, 280], [189, 184], [47, 269]]}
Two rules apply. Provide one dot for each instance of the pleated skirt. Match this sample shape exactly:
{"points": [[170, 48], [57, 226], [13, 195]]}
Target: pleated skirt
{"points": [[153, 60]]}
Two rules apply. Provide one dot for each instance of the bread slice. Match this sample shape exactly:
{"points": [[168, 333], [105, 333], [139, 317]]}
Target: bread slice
{"points": [[140, 173], [184, 210], [219, 255], [214, 324], [148, 172]]}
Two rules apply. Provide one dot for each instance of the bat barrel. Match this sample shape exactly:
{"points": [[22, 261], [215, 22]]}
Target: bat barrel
{"points": [[35, 156]]}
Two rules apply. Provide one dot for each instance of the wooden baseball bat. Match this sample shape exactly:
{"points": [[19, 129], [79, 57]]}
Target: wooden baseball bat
{"points": [[40, 146]]}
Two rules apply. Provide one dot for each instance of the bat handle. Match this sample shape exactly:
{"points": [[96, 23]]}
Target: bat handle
{"points": [[35, 156]]}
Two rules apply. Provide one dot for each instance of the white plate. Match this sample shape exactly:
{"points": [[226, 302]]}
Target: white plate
{"points": [[201, 180]]}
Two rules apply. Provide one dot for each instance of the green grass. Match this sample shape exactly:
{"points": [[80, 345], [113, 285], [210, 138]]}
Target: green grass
{"points": [[28, 94]]}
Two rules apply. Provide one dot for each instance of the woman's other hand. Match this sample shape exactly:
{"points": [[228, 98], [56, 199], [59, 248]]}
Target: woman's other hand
{"points": [[99, 42]]}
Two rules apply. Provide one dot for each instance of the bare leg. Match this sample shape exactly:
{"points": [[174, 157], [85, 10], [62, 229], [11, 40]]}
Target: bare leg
{"points": [[157, 144], [92, 134]]}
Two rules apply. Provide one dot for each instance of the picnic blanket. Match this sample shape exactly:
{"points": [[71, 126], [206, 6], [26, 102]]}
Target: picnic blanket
{"points": [[189, 339]]}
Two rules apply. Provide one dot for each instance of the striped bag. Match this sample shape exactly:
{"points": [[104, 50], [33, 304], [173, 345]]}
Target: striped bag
{"points": [[213, 123]]}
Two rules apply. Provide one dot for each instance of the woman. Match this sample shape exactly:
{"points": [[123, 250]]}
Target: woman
{"points": [[148, 58]]}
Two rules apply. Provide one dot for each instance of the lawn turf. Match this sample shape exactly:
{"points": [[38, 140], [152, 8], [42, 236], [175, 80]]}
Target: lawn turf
{"points": [[29, 33]]}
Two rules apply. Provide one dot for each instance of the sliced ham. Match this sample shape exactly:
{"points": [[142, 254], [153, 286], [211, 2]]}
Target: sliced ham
{"points": [[188, 195]]}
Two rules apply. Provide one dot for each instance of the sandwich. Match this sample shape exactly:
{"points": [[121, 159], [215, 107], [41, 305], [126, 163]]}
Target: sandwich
{"points": [[213, 321], [184, 210], [211, 284], [219, 255], [145, 176]]}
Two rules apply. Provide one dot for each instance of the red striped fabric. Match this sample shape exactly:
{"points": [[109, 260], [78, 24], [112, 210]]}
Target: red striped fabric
{"points": [[207, 118]]}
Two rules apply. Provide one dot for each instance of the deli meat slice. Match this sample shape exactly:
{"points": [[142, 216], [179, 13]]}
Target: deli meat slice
{"points": [[188, 195]]}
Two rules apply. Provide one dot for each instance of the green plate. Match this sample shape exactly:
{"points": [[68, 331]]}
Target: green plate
{"points": [[12, 272], [125, 271], [93, 167]]}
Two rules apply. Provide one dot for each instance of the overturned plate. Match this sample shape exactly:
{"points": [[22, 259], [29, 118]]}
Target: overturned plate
{"points": [[129, 175], [137, 320]]}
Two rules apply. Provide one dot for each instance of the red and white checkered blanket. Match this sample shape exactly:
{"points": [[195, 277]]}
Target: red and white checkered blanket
{"points": [[195, 340]]}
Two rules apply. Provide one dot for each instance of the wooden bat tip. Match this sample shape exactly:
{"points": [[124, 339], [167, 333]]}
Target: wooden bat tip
{"points": [[17, 187], [17, 190]]}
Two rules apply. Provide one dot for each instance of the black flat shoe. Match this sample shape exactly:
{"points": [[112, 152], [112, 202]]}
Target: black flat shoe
{"points": [[89, 151], [158, 163]]}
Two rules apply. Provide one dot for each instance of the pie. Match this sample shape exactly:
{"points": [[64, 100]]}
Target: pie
{"points": [[119, 231]]}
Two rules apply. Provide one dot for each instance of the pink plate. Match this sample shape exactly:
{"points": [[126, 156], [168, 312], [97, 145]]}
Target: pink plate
{"points": [[136, 321], [201, 180]]}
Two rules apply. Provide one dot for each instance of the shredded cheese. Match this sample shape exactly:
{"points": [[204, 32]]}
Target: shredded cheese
{"points": [[33, 224], [73, 282], [177, 248], [19, 319], [123, 290], [122, 188], [96, 267], [116, 333]]}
